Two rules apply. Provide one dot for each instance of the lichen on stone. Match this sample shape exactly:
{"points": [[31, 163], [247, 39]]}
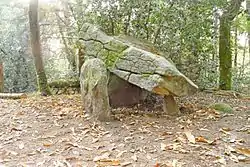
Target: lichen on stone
{"points": [[222, 107]]}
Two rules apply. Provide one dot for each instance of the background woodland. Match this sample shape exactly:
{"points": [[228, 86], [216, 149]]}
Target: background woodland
{"points": [[209, 41]]}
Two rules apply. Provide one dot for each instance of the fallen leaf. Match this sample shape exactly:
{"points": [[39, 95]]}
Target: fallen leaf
{"points": [[120, 153], [13, 153], [234, 158], [242, 158], [47, 144], [190, 137], [163, 147], [229, 150], [95, 140], [221, 160], [227, 129], [167, 133], [21, 146], [32, 153], [174, 146], [180, 139], [126, 139], [203, 129], [225, 132], [71, 158], [244, 151], [15, 129], [182, 151], [124, 164], [109, 162], [101, 157], [175, 163], [134, 157], [203, 140], [157, 165]]}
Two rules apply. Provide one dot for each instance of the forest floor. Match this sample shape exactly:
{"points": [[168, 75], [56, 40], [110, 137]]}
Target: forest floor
{"points": [[53, 131]]}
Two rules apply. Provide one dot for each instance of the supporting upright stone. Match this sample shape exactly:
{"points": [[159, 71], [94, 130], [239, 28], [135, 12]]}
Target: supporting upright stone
{"points": [[170, 106], [94, 89]]}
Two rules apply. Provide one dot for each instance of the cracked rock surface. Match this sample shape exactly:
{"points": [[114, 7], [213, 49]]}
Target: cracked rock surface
{"points": [[135, 62]]}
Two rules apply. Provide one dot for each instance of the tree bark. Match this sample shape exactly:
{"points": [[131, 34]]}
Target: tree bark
{"points": [[126, 27], [215, 34], [243, 59], [236, 47], [36, 47], [225, 53], [69, 53], [147, 20], [248, 19], [1, 77]]}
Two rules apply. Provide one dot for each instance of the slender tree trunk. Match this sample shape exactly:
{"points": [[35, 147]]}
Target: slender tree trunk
{"points": [[248, 19], [236, 47], [112, 24], [215, 34], [147, 21], [248, 46], [126, 28], [36, 47], [69, 53], [158, 31], [244, 58], [1, 77], [225, 53]]}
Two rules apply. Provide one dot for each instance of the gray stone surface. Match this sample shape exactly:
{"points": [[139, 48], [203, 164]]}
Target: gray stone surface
{"points": [[94, 89], [136, 62]]}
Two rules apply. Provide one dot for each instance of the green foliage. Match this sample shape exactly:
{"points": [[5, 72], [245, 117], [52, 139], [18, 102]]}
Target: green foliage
{"points": [[19, 73], [169, 25], [241, 81], [184, 31]]}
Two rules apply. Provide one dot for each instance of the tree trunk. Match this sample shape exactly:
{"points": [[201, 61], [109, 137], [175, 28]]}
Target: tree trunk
{"points": [[225, 53], [126, 27], [158, 31], [36, 47], [1, 77], [69, 53], [244, 58], [236, 47], [215, 34], [248, 36], [147, 21], [248, 19]]}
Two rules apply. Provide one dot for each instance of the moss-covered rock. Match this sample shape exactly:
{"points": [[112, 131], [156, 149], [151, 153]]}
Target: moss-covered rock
{"points": [[71, 86], [222, 107], [94, 89], [142, 65], [65, 83]]}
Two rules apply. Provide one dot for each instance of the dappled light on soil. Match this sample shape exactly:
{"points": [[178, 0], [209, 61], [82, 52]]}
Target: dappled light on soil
{"points": [[55, 130]]}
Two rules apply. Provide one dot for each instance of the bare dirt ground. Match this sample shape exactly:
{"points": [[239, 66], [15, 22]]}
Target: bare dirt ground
{"points": [[53, 131]]}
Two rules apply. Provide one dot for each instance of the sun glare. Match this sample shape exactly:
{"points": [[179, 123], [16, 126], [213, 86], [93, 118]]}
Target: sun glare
{"points": [[40, 1]]}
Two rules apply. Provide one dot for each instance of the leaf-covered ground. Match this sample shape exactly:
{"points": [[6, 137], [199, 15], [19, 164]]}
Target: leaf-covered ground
{"points": [[54, 131]]}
